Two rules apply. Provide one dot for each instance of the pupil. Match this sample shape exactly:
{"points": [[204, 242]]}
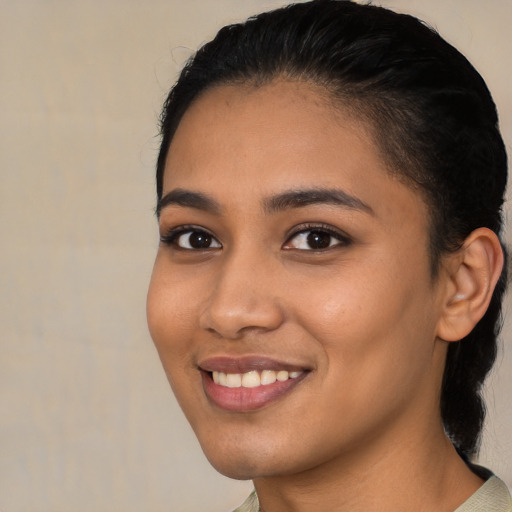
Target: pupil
{"points": [[200, 240], [318, 240]]}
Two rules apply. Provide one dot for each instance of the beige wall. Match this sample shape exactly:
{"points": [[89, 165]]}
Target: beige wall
{"points": [[87, 420]]}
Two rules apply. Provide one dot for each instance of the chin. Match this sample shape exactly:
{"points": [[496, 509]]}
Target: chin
{"points": [[241, 461], [237, 470], [236, 463], [257, 459]]}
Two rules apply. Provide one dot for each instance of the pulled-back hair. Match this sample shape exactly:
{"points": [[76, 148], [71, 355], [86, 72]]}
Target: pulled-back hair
{"points": [[431, 115]]}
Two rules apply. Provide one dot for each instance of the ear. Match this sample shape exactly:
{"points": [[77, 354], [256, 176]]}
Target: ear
{"points": [[473, 272]]}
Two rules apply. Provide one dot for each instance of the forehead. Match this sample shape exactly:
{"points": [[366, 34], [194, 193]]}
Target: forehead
{"points": [[283, 120], [257, 115], [244, 142]]}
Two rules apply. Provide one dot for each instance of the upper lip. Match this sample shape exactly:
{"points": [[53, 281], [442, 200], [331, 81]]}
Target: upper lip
{"points": [[244, 364]]}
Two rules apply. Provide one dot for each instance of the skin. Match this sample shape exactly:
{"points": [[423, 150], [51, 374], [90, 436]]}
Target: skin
{"points": [[362, 430]]}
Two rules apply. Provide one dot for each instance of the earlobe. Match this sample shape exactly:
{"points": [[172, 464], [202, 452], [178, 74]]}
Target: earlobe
{"points": [[474, 272]]}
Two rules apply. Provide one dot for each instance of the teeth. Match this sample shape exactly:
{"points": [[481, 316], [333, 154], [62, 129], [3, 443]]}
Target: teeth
{"points": [[252, 379], [233, 380], [282, 376], [268, 377]]}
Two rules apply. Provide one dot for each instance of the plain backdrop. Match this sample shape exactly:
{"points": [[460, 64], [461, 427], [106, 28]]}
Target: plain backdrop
{"points": [[87, 420]]}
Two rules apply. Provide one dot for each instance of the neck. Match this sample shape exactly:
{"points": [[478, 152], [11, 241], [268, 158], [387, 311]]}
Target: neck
{"points": [[422, 473]]}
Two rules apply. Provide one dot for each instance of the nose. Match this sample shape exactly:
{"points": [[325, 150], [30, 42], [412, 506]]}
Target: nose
{"points": [[243, 299]]}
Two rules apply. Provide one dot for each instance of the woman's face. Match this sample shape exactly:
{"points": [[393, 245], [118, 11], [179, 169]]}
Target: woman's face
{"points": [[291, 301]]}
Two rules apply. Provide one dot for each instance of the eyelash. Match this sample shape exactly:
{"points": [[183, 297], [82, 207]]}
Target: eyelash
{"points": [[343, 239], [172, 236]]}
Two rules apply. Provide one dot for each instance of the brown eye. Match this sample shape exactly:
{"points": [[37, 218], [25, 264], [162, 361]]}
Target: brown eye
{"points": [[196, 240], [318, 240]]}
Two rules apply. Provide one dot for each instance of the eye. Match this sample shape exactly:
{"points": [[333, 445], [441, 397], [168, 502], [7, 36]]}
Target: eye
{"points": [[316, 239], [191, 239]]}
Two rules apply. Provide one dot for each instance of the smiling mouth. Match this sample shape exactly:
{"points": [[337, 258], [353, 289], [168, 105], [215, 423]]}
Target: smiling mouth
{"points": [[253, 379], [251, 390]]}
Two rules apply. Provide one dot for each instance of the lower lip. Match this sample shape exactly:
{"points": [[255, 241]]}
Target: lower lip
{"points": [[247, 399]]}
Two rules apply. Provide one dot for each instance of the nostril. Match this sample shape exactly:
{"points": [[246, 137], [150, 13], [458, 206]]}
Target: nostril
{"points": [[236, 318]]}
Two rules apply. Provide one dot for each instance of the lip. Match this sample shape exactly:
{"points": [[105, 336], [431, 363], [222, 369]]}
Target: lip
{"points": [[247, 399], [228, 364]]}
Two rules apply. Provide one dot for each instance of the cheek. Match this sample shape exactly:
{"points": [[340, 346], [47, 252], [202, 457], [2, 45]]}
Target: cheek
{"points": [[170, 319], [346, 304], [374, 363], [374, 321], [170, 314]]}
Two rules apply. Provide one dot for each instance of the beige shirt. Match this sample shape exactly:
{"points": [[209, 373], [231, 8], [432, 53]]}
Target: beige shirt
{"points": [[493, 496]]}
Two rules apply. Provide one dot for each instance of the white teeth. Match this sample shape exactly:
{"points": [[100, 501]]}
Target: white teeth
{"points": [[233, 380], [282, 375], [252, 379], [268, 377]]}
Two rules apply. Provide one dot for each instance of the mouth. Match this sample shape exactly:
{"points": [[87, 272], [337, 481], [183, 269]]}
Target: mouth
{"points": [[253, 379], [248, 384]]}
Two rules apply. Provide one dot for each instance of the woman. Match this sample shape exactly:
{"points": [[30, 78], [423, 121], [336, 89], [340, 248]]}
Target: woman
{"points": [[326, 296]]}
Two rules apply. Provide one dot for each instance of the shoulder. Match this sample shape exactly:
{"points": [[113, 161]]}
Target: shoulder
{"points": [[493, 496], [250, 504]]}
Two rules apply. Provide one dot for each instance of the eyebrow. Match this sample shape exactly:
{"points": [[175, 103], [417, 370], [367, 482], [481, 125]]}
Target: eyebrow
{"points": [[301, 198], [188, 199], [274, 204]]}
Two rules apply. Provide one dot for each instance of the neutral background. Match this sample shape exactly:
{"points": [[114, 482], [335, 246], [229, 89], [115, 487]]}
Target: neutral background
{"points": [[87, 420]]}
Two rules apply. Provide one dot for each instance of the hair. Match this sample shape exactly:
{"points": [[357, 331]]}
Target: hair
{"points": [[430, 113]]}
